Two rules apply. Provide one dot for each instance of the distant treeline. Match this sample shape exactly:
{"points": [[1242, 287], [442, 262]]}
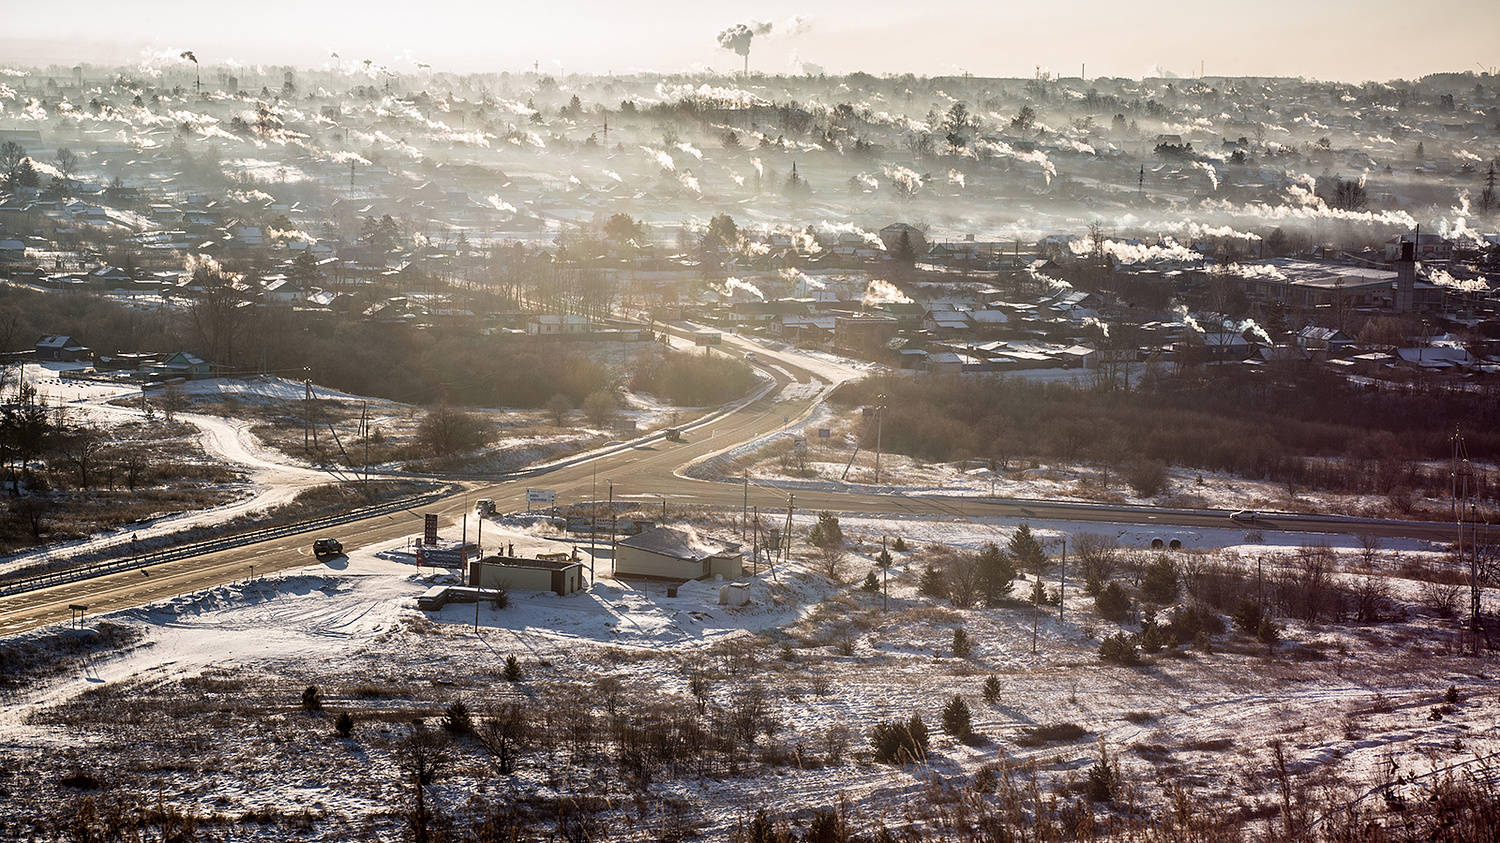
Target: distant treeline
{"points": [[1312, 430], [458, 364]]}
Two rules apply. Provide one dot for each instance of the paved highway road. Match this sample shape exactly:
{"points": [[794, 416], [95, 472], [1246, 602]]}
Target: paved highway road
{"points": [[646, 471]]}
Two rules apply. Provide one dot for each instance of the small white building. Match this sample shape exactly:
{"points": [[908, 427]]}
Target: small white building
{"points": [[677, 554]]}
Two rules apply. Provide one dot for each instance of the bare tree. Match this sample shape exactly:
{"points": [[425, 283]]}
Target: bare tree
{"points": [[221, 313], [503, 733]]}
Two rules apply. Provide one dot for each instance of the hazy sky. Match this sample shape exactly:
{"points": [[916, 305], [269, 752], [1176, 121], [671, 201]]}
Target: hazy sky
{"points": [[1351, 40]]}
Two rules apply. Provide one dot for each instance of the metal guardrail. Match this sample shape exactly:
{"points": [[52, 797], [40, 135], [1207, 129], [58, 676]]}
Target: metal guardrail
{"points": [[172, 554]]}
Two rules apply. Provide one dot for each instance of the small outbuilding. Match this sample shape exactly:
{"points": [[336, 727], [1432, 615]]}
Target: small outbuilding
{"points": [[60, 349], [562, 576], [678, 554]]}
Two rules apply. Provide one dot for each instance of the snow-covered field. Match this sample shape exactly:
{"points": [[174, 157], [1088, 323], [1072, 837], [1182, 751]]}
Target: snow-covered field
{"points": [[1350, 702], [202, 711]]}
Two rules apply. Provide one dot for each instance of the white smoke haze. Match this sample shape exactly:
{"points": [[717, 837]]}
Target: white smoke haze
{"points": [[1443, 279], [733, 284], [1091, 322], [1133, 253], [868, 180], [1001, 149], [799, 279], [1264, 271], [881, 292], [613, 176], [500, 204], [955, 177], [690, 181], [796, 25], [691, 150]]}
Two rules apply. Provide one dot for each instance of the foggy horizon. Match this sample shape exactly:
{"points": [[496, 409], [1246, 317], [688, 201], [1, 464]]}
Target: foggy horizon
{"points": [[1339, 41]]}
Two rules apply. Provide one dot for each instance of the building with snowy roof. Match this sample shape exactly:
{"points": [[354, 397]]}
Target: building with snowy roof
{"points": [[677, 554]]}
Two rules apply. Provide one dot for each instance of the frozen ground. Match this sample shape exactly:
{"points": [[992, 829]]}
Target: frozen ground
{"points": [[1350, 701]]}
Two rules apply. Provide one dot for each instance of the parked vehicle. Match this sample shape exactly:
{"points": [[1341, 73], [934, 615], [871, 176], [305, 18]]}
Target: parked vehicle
{"points": [[674, 435], [327, 547], [483, 507], [1244, 516]]}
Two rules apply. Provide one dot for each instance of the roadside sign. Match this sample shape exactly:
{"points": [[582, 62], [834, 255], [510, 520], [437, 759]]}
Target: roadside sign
{"points": [[548, 496], [824, 433], [443, 558], [429, 528]]}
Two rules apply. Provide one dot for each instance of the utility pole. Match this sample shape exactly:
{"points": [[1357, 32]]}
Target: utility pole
{"points": [[745, 506], [885, 605], [1062, 586], [307, 428], [879, 412]]}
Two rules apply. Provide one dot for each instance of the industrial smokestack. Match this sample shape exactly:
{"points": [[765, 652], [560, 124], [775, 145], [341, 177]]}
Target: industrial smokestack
{"points": [[1406, 277]]}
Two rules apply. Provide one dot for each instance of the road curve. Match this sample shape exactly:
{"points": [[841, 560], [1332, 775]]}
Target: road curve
{"points": [[646, 471]]}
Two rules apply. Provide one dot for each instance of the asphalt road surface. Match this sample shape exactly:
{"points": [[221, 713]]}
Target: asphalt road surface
{"points": [[645, 474]]}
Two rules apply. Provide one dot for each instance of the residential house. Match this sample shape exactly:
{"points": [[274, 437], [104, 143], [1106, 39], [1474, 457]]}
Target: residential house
{"points": [[182, 364], [60, 349]]}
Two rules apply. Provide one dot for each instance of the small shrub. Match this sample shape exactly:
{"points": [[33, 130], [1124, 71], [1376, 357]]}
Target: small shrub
{"points": [[985, 781], [1113, 603], [899, 545], [1451, 697], [312, 699], [1202, 643], [1051, 733], [1119, 649], [456, 719], [932, 583], [871, 585], [961, 646], [991, 689], [1152, 638], [1268, 633], [344, 725], [895, 742], [1247, 615], [512, 669], [1104, 777]]}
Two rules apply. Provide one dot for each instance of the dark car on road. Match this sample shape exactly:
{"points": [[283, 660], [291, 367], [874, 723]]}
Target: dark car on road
{"points": [[327, 547]]}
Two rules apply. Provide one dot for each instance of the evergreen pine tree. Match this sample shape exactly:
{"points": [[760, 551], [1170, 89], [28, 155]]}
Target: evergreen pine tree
{"points": [[871, 585], [512, 669], [899, 545], [456, 718], [996, 572], [991, 689], [956, 719], [932, 583], [1027, 551], [312, 699], [961, 646], [344, 724]]}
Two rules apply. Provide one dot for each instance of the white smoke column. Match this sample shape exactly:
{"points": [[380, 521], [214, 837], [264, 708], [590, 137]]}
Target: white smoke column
{"points": [[500, 204], [955, 177], [759, 169], [1443, 279], [691, 150], [1252, 327], [1208, 170], [690, 181], [1181, 312], [869, 181], [880, 292], [906, 182], [614, 176], [661, 158], [736, 284], [1089, 321]]}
